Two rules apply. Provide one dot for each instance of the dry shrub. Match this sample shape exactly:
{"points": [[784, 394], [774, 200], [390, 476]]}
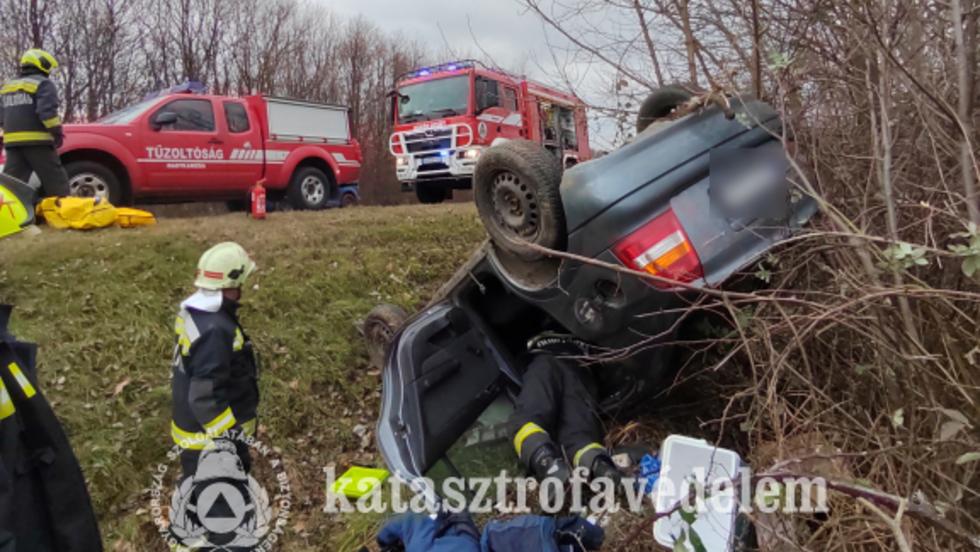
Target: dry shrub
{"points": [[861, 362]]}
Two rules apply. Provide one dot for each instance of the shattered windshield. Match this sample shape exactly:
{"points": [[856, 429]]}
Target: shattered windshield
{"points": [[128, 113], [433, 99]]}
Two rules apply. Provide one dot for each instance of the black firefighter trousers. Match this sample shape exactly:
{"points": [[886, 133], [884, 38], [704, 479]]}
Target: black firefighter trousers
{"points": [[42, 160], [557, 404]]}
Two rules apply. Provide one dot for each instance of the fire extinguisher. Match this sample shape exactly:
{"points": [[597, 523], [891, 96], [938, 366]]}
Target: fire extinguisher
{"points": [[258, 200]]}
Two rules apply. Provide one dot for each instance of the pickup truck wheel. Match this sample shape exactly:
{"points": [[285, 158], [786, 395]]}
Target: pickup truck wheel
{"points": [[379, 328], [92, 179], [309, 189], [515, 186], [659, 104], [430, 193], [348, 200]]}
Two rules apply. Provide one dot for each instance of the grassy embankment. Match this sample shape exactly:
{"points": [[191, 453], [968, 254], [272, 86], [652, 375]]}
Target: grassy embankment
{"points": [[101, 306]]}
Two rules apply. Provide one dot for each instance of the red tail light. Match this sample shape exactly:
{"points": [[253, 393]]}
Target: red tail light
{"points": [[662, 248]]}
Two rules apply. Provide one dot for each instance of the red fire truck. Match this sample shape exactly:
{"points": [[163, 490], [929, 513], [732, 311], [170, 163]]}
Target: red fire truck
{"points": [[190, 146], [445, 115]]}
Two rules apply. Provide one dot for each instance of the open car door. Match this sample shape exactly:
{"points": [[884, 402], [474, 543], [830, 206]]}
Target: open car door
{"points": [[442, 371]]}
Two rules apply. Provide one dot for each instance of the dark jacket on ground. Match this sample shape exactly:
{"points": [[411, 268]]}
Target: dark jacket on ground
{"points": [[44, 504], [215, 373], [29, 111]]}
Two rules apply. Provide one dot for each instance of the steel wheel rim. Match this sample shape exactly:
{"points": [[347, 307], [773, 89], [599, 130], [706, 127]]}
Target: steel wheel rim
{"points": [[515, 206], [313, 190], [88, 185]]}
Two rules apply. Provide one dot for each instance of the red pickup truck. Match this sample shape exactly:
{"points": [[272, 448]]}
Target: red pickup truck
{"points": [[191, 147]]}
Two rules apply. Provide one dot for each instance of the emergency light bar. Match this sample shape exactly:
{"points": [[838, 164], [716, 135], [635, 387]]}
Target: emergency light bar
{"points": [[449, 66]]}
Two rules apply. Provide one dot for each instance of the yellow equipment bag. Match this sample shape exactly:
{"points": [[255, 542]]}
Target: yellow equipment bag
{"points": [[127, 217], [79, 213], [87, 213], [16, 205]]}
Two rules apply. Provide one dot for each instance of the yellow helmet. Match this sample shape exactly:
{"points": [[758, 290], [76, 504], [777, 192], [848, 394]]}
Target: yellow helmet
{"points": [[225, 265], [35, 57]]}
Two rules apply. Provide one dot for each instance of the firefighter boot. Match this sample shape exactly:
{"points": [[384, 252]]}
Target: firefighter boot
{"points": [[594, 458], [604, 467], [546, 461]]}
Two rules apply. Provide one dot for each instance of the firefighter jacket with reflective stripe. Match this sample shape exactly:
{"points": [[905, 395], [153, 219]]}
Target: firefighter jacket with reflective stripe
{"points": [[29, 111], [44, 504], [215, 372]]}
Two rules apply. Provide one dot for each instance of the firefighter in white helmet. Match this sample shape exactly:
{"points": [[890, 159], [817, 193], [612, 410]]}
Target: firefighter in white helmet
{"points": [[215, 372]]}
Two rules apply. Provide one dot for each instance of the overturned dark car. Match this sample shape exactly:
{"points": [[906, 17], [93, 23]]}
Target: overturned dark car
{"points": [[690, 201]]}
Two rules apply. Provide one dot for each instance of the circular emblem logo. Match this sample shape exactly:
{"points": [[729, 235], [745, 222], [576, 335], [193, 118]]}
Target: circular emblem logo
{"points": [[221, 505]]}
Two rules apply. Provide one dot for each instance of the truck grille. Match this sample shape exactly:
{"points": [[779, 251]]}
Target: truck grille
{"points": [[430, 141], [429, 167]]}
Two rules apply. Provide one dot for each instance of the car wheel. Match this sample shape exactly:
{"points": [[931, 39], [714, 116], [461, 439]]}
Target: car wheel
{"points": [[309, 189], [430, 193], [659, 104], [92, 179], [515, 186], [348, 200], [379, 328]]}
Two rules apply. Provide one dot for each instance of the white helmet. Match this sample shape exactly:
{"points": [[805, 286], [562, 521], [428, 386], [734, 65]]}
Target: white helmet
{"points": [[225, 265]]}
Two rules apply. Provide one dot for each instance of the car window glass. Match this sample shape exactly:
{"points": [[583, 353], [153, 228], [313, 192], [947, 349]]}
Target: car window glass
{"points": [[488, 93], [192, 115], [510, 99], [236, 117]]}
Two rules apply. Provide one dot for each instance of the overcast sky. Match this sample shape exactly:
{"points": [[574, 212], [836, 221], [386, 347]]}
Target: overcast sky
{"points": [[506, 32], [499, 26]]}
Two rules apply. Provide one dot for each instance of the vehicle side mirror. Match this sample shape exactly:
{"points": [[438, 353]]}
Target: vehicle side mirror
{"points": [[163, 119]]}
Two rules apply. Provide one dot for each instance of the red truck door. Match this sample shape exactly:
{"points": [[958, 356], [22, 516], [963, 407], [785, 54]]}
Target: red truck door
{"points": [[183, 148], [242, 145], [498, 112]]}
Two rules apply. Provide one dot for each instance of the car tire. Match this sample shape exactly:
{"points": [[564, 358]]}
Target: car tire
{"points": [[309, 189], [516, 188], [430, 193], [348, 200], [659, 104], [379, 327], [93, 179]]}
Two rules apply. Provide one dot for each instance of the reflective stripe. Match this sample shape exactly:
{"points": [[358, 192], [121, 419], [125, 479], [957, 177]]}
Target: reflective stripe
{"points": [[27, 136], [526, 431], [187, 332], [239, 340], [52, 122], [182, 341], [221, 423], [6, 404], [583, 450], [19, 86], [22, 380], [188, 440], [196, 440]]}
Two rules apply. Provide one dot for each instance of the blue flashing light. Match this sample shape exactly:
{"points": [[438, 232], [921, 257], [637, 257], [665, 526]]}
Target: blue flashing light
{"points": [[451, 67], [444, 153], [424, 73]]}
